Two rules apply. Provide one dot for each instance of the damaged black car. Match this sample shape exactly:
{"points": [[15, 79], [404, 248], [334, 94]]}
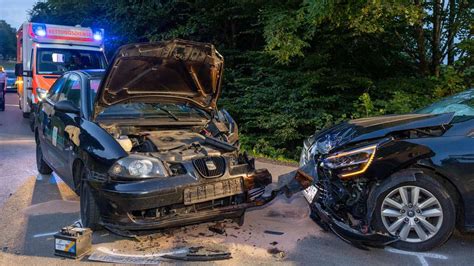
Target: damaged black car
{"points": [[143, 142], [405, 180]]}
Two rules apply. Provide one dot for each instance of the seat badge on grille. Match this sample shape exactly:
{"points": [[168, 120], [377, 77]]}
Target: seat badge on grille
{"points": [[211, 166]]}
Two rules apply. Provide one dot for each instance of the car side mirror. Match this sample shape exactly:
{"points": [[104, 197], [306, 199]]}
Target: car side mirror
{"points": [[67, 107]]}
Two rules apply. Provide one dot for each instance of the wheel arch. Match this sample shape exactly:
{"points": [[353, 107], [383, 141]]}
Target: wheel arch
{"points": [[453, 191]]}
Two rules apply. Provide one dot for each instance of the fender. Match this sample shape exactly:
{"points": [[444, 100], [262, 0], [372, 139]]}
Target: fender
{"points": [[99, 150], [407, 175], [396, 155]]}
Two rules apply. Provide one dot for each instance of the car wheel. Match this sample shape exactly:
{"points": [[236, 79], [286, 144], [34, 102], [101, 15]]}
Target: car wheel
{"points": [[90, 215], [32, 122], [43, 167], [421, 213]]}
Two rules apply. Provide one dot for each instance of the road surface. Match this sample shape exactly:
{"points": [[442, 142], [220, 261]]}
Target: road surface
{"points": [[34, 207]]}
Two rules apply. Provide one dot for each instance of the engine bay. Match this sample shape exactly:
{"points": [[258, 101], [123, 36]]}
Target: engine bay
{"points": [[176, 144]]}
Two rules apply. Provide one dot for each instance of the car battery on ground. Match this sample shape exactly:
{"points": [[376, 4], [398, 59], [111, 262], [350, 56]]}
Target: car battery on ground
{"points": [[72, 242]]}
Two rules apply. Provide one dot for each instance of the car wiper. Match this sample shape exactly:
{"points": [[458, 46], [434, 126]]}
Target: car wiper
{"points": [[168, 112]]}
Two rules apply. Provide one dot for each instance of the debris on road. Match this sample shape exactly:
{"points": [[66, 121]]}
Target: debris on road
{"points": [[278, 233], [72, 242], [274, 243], [277, 252], [218, 228], [202, 253], [193, 253]]}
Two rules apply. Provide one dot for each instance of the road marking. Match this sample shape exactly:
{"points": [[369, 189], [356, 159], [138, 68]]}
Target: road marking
{"points": [[11, 105], [44, 234], [420, 255]]}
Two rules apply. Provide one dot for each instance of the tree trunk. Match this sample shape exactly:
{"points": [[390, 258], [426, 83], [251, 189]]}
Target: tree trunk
{"points": [[436, 38], [420, 42], [451, 31]]}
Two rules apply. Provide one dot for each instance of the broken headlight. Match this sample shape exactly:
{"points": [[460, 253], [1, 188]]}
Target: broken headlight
{"points": [[351, 163], [137, 167]]}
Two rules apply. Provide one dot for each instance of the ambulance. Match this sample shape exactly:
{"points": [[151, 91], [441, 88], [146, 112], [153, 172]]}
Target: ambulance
{"points": [[46, 51]]}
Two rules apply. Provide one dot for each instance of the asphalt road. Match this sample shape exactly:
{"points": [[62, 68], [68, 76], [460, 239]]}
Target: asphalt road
{"points": [[34, 207]]}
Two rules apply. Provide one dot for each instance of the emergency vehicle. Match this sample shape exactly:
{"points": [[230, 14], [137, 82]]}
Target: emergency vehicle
{"points": [[46, 51]]}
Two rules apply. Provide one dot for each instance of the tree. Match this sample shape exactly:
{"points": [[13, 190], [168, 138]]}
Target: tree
{"points": [[7, 40], [296, 66]]}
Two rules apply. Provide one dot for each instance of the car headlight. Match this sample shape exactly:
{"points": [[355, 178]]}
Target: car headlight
{"points": [[138, 167], [41, 93], [351, 163], [303, 158]]}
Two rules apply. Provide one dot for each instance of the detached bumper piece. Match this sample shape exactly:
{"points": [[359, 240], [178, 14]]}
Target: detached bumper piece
{"points": [[347, 233]]}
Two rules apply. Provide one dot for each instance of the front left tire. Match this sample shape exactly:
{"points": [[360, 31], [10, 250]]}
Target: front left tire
{"points": [[421, 213], [90, 215], [32, 121]]}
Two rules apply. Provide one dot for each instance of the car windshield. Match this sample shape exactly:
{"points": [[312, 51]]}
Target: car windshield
{"points": [[461, 104], [58, 61], [94, 86], [135, 110]]}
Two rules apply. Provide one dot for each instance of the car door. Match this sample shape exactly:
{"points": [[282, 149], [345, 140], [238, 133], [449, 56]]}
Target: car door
{"points": [[65, 128], [45, 128]]}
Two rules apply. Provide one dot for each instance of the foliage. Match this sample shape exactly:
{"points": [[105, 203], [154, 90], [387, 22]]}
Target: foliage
{"points": [[7, 41], [296, 66]]}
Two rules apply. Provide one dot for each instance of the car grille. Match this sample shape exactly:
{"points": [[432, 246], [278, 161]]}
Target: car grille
{"points": [[210, 167]]}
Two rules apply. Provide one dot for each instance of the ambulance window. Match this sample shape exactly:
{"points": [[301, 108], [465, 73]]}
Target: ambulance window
{"points": [[94, 85], [72, 90], [56, 88], [57, 61]]}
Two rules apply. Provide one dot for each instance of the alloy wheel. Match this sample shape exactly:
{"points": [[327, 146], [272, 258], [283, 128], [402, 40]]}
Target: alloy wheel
{"points": [[412, 213]]}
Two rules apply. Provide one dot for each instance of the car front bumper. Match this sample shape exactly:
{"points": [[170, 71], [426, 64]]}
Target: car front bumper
{"points": [[347, 233], [300, 179], [175, 201]]}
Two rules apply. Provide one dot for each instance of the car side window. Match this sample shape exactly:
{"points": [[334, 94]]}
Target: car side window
{"points": [[53, 93], [72, 90]]}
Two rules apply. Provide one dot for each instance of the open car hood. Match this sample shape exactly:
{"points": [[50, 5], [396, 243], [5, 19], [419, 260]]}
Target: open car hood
{"points": [[171, 71]]}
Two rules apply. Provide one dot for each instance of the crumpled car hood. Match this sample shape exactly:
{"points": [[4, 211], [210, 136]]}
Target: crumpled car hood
{"points": [[358, 130], [173, 71]]}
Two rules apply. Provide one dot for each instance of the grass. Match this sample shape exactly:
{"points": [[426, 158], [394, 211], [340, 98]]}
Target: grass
{"points": [[280, 159]]}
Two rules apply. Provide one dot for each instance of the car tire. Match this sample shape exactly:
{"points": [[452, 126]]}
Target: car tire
{"points": [[26, 115], [429, 226], [32, 122], [43, 167], [90, 215]]}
